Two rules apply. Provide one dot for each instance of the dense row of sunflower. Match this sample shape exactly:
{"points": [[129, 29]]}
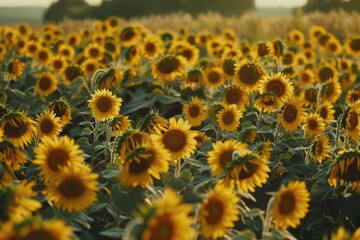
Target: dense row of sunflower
{"points": [[119, 132]]}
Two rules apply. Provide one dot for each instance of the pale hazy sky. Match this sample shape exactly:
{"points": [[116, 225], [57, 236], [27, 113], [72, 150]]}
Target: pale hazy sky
{"points": [[46, 3]]}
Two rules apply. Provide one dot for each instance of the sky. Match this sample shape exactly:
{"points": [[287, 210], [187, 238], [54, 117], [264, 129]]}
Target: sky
{"points": [[46, 3]]}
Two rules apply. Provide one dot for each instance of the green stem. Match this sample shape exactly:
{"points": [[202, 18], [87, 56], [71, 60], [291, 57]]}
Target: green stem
{"points": [[276, 133]]}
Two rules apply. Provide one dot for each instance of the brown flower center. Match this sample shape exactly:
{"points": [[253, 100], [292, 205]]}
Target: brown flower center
{"points": [[72, 72], [313, 124], [311, 95], [287, 203], [277, 87], [228, 118], [127, 34], [46, 126], [251, 169], [94, 52], [150, 47], [59, 110], [325, 74], [142, 163], [194, 110], [318, 148], [353, 121], [168, 65], [187, 53], [104, 104], [58, 64], [164, 228], [43, 55], [15, 130], [288, 59], [214, 77], [57, 158], [249, 75], [229, 67], [215, 211], [90, 68], [233, 95], [40, 234], [174, 140], [45, 83], [226, 157], [290, 113], [305, 77], [355, 45], [71, 187]]}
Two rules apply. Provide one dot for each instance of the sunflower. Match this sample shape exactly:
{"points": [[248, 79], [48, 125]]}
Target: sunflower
{"points": [[119, 124], [260, 50], [234, 94], [291, 115], [94, 51], [128, 141], [351, 121], [325, 73], [288, 58], [129, 36], [66, 51], [154, 123], [89, 66], [71, 72], [315, 32], [36, 228], [352, 96], [331, 91], [190, 53], [333, 46], [193, 78], [278, 84], [1, 135], [19, 203], [346, 168], [143, 163], [168, 219], [12, 155], [326, 112], [352, 46], [275, 48], [306, 77], [18, 128], [43, 56], [228, 67], [167, 68], [112, 48], [104, 105], [48, 124], [58, 63], [267, 102], [291, 205], [74, 189], [228, 119], [152, 46], [31, 48], [232, 52], [46, 84], [62, 110], [201, 138], [15, 69], [133, 55], [218, 212], [313, 124], [53, 154], [214, 77], [244, 168], [73, 39], [321, 148], [248, 75], [195, 111], [310, 97], [296, 37], [347, 79], [178, 139], [112, 77]]}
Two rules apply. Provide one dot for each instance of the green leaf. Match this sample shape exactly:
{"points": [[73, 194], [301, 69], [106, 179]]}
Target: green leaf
{"points": [[111, 172], [127, 200], [177, 183], [112, 232], [139, 102]]}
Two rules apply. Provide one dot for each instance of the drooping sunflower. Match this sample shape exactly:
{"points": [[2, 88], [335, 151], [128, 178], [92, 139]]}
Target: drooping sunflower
{"points": [[352, 46], [228, 119], [275, 48], [331, 91], [234, 94], [313, 124], [62, 110], [245, 169], [46, 84], [248, 75], [133, 55], [144, 163], [94, 51], [351, 121], [152, 46], [291, 205], [326, 112], [119, 124], [228, 67], [74, 189], [89, 66], [36, 229], [218, 212], [177, 138], [18, 128], [321, 148], [128, 141], [48, 124], [310, 97], [71, 72], [195, 111], [279, 84], [346, 168], [153, 123], [214, 77], [291, 115], [104, 105], [54, 154], [260, 50], [112, 77], [15, 69], [12, 155], [193, 78], [168, 219], [167, 68], [18, 203], [267, 102]]}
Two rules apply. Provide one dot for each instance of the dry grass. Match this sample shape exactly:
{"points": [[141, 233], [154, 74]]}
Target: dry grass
{"points": [[247, 26]]}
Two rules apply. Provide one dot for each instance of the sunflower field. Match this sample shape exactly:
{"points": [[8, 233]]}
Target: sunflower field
{"points": [[120, 131]]}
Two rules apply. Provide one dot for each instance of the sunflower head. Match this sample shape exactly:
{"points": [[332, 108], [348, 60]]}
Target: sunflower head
{"points": [[119, 124], [104, 105], [62, 110], [71, 72], [89, 66], [48, 124], [346, 167], [12, 155], [152, 46], [111, 78], [194, 78], [248, 75], [129, 36], [167, 68], [292, 115], [153, 123], [352, 46], [15, 68], [46, 84], [234, 94], [228, 119], [128, 141], [195, 111], [321, 148], [275, 47], [214, 77]]}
